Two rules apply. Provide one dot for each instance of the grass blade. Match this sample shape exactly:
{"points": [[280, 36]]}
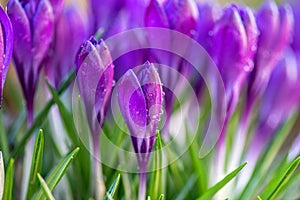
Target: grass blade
{"points": [[278, 182], [36, 164], [187, 188], [1, 175], [156, 179], [58, 172], [113, 188], [208, 195], [265, 160], [45, 187], [161, 197], [41, 117], [9, 180]]}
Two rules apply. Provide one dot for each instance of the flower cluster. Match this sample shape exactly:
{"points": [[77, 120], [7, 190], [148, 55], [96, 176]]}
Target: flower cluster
{"points": [[256, 53]]}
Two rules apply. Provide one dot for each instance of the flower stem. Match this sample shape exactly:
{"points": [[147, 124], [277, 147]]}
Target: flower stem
{"points": [[142, 185], [99, 183]]}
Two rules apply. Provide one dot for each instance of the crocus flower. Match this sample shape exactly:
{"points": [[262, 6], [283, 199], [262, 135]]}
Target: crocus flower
{"points": [[296, 11], [233, 38], [140, 101], [177, 15], [275, 25], [280, 100], [32, 23], [6, 47], [95, 81], [70, 32]]}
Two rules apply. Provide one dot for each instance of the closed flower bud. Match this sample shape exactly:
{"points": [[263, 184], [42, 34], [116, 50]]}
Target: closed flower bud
{"points": [[95, 73], [6, 47], [234, 38], [275, 25], [32, 23], [174, 14], [70, 32], [140, 101]]}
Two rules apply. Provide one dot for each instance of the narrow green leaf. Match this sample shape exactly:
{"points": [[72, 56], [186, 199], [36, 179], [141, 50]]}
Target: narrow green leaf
{"points": [[1, 175], [45, 188], [208, 195], [265, 160], [9, 180], [156, 179], [82, 163], [36, 164], [41, 117], [198, 164], [161, 197], [279, 181], [259, 198], [58, 172], [187, 188], [66, 116], [113, 188], [3, 141]]}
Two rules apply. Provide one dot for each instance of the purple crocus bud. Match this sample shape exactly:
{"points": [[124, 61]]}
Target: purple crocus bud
{"points": [[140, 101], [32, 23], [105, 12], [234, 38], [275, 25], [70, 32], [296, 10], [281, 97], [208, 15], [280, 100], [6, 47], [95, 73], [179, 15]]}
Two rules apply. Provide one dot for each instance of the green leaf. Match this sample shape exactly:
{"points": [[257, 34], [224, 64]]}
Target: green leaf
{"points": [[208, 195], [113, 188], [66, 116], [9, 179], [156, 179], [3, 141], [187, 188], [259, 198], [82, 163], [161, 197], [45, 187], [1, 175], [58, 172], [36, 164], [279, 181], [265, 160], [41, 117]]}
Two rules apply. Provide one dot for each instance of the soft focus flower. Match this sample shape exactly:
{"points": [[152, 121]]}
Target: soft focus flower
{"points": [[32, 23], [174, 14], [6, 48], [140, 101], [275, 25], [177, 15], [233, 39], [280, 100], [57, 6], [295, 5], [95, 72], [70, 31]]}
